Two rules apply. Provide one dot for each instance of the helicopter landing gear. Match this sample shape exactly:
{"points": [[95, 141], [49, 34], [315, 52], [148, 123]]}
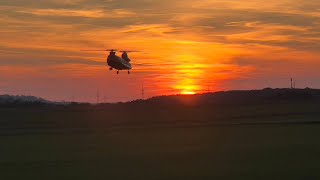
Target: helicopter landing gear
{"points": [[118, 72], [111, 69], [128, 72]]}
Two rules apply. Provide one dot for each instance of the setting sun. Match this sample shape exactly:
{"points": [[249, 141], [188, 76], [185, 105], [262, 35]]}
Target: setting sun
{"points": [[187, 92]]}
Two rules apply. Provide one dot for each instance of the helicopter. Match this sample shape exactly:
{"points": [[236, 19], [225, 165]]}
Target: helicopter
{"points": [[116, 62]]}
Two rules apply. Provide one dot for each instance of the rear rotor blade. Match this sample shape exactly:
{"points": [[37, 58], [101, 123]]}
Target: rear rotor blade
{"points": [[92, 50], [99, 50], [129, 51]]}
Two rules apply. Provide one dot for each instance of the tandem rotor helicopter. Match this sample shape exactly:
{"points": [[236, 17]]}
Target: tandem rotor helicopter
{"points": [[116, 62]]}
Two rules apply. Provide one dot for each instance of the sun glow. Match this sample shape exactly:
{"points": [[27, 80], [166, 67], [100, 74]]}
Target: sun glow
{"points": [[187, 92], [188, 73]]}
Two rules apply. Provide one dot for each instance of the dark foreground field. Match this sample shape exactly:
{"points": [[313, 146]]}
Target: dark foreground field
{"points": [[263, 139]]}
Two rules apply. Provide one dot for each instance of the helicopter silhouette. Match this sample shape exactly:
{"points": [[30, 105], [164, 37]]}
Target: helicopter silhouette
{"points": [[116, 62]]}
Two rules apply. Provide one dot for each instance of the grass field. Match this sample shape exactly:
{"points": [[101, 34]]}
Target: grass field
{"points": [[273, 141]]}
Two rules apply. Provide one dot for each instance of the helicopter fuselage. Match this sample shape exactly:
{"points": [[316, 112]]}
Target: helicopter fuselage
{"points": [[119, 63]]}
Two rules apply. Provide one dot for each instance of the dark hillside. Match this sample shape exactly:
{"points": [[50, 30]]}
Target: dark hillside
{"points": [[268, 106], [260, 134], [241, 97]]}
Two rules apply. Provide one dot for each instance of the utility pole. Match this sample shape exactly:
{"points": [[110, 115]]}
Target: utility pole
{"points": [[291, 83], [142, 91], [98, 97]]}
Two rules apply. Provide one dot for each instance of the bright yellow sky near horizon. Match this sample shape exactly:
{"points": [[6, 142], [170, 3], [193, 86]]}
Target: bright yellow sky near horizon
{"points": [[188, 46]]}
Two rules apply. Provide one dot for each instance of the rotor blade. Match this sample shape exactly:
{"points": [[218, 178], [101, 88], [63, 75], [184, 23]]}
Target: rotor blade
{"points": [[98, 50], [12, 52], [92, 50], [129, 51]]}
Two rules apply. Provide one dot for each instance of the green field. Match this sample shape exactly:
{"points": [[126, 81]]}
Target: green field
{"points": [[270, 141]]}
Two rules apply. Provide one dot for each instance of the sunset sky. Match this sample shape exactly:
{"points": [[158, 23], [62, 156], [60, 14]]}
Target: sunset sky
{"points": [[188, 46]]}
